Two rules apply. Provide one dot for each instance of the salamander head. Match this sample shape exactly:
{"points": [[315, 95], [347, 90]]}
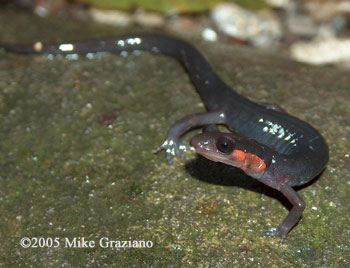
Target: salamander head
{"points": [[230, 149]]}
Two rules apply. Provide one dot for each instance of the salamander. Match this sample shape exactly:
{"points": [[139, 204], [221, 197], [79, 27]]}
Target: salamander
{"points": [[267, 143]]}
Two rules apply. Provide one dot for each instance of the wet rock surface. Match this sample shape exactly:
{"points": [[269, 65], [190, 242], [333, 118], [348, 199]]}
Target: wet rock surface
{"points": [[76, 159]]}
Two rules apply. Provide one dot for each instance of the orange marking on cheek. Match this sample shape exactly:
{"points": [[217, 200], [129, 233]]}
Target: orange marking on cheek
{"points": [[239, 156], [254, 164], [250, 163]]}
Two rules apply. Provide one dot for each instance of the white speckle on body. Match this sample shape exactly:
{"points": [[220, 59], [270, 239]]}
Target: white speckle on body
{"points": [[66, 47]]}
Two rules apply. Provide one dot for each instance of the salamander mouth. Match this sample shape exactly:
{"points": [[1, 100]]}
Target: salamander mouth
{"points": [[217, 157], [209, 156], [209, 151]]}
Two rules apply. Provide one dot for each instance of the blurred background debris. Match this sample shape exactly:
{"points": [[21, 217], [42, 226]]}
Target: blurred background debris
{"points": [[260, 29], [311, 31]]}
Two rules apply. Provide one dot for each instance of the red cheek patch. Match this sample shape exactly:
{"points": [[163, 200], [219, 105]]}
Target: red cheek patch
{"points": [[249, 163]]}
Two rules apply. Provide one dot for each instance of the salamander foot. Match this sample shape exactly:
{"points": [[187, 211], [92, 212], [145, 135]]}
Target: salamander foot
{"points": [[173, 148], [274, 232]]}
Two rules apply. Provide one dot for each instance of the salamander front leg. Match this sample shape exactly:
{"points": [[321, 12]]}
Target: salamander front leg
{"points": [[294, 215], [173, 146]]}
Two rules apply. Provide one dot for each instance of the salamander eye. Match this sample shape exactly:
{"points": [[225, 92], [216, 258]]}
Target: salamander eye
{"points": [[225, 145]]}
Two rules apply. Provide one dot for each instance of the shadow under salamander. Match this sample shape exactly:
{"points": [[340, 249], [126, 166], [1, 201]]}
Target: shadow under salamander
{"points": [[220, 174]]}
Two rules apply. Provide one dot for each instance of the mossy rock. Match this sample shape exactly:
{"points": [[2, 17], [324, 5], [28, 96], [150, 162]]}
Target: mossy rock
{"points": [[166, 6]]}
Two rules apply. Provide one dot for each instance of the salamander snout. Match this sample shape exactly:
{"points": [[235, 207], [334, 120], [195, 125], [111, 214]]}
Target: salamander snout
{"points": [[204, 144]]}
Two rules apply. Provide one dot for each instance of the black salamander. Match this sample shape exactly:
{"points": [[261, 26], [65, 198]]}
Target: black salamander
{"points": [[271, 146]]}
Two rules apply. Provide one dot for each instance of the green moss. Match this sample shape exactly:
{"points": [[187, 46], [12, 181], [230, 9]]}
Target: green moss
{"points": [[133, 189], [165, 6]]}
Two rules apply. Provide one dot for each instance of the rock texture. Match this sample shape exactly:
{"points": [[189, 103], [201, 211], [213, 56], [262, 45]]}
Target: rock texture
{"points": [[77, 136]]}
